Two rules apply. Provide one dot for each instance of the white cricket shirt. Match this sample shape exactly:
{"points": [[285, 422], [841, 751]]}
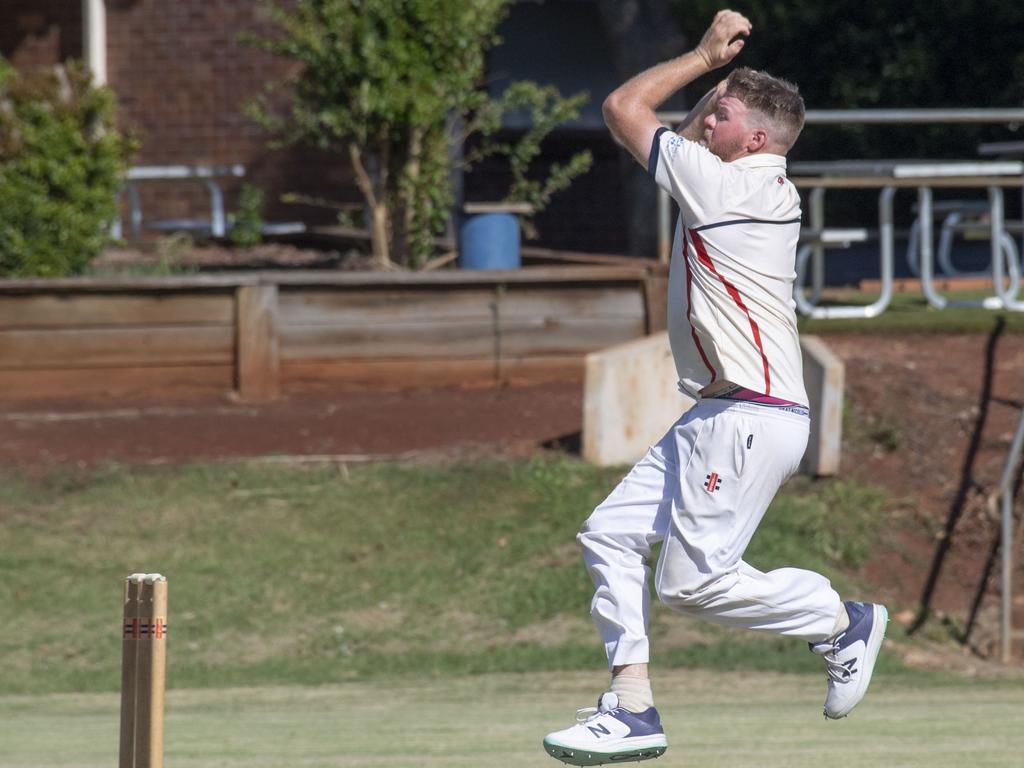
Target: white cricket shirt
{"points": [[731, 314]]}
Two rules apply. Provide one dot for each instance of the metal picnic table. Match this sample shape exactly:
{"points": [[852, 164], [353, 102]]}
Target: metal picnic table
{"points": [[889, 176], [205, 174]]}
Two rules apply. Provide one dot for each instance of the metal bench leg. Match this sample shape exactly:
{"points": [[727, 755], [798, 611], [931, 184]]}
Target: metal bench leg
{"points": [[1005, 296], [817, 217], [886, 266], [115, 225], [804, 306], [945, 251], [217, 225], [913, 242], [134, 213], [924, 215], [135, 206], [1009, 247]]}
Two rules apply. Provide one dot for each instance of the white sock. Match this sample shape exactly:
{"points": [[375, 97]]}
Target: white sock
{"points": [[634, 692], [842, 621]]}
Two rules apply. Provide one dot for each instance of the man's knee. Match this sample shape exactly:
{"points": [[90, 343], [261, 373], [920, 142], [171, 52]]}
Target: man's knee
{"points": [[678, 599], [613, 547], [684, 597], [593, 541]]}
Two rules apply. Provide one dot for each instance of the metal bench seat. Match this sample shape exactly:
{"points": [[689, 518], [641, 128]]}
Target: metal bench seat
{"points": [[969, 218], [810, 240]]}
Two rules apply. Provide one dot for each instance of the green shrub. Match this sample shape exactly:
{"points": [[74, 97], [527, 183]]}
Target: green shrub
{"points": [[247, 229], [61, 164]]}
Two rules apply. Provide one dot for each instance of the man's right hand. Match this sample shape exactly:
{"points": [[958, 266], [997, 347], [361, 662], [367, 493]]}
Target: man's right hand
{"points": [[718, 46]]}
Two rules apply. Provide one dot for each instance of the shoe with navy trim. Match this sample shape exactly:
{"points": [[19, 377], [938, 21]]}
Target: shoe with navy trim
{"points": [[850, 657], [608, 733]]}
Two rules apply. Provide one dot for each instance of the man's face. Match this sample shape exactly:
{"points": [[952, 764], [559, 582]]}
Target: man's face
{"points": [[726, 132]]}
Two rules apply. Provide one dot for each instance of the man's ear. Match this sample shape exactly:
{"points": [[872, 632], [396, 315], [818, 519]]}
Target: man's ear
{"points": [[757, 141]]}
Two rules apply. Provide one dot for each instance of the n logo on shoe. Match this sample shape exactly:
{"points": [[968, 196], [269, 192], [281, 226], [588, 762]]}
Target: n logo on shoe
{"points": [[599, 730]]}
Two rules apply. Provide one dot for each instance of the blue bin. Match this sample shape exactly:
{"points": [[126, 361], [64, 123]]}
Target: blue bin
{"points": [[489, 241]]}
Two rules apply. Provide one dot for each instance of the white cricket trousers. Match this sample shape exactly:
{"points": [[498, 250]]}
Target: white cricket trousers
{"points": [[702, 491]]}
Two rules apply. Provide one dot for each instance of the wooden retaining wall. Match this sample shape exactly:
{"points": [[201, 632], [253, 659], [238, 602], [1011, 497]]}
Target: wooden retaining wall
{"points": [[267, 333]]}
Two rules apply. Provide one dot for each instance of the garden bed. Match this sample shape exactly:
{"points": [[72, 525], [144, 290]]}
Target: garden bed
{"points": [[263, 333]]}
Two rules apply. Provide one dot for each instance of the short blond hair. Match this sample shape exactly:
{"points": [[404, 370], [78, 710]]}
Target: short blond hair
{"points": [[778, 101]]}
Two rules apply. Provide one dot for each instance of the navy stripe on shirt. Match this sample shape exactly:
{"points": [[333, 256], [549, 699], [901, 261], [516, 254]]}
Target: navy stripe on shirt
{"points": [[652, 162], [745, 221]]}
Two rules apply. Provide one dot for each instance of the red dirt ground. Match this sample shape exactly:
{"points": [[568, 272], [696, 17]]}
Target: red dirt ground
{"points": [[358, 425], [915, 409], [930, 418]]}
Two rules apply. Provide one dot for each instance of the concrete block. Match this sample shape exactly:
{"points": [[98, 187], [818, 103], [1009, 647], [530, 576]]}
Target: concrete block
{"points": [[630, 399], [824, 376]]}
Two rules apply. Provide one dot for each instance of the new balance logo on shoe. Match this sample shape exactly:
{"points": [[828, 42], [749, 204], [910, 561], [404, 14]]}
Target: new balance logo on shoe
{"points": [[850, 657], [608, 734]]}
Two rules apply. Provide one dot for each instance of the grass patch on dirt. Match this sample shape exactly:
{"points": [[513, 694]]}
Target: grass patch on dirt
{"points": [[312, 575], [911, 313]]}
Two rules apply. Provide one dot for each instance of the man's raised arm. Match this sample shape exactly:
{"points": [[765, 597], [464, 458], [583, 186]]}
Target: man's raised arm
{"points": [[629, 111]]}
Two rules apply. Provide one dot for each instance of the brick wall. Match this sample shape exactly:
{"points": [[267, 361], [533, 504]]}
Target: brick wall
{"points": [[183, 78], [36, 33]]}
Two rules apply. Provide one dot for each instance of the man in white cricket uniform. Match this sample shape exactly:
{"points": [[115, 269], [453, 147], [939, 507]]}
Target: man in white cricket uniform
{"points": [[703, 489]]}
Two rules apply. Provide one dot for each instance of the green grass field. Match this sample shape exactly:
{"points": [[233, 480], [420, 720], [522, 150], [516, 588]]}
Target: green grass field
{"points": [[286, 575], [408, 615], [713, 720]]}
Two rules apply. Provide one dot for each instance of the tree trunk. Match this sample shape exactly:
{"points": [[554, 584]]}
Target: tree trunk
{"points": [[376, 205], [379, 234], [390, 224]]}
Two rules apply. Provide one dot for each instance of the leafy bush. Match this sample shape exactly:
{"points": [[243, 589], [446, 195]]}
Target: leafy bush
{"points": [[61, 164], [247, 229], [547, 109]]}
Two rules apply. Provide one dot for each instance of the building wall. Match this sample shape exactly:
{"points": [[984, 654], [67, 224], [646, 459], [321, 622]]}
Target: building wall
{"points": [[36, 33], [183, 77]]}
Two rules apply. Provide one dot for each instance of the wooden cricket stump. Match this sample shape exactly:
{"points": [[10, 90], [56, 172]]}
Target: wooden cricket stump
{"points": [[143, 671]]}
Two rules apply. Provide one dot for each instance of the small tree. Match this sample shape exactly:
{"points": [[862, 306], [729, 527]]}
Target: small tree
{"points": [[61, 164], [547, 110], [247, 228], [389, 84]]}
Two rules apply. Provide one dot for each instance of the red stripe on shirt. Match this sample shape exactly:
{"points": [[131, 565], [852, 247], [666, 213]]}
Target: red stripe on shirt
{"points": [[702, 254], [689, 311]]}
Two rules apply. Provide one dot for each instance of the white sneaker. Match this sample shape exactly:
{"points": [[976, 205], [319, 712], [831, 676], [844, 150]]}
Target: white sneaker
{"points": [[850, 657], [608, 734]]}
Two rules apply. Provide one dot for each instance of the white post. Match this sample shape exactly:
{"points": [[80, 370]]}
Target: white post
{"points": [[94, 34], [1006, 543]]}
